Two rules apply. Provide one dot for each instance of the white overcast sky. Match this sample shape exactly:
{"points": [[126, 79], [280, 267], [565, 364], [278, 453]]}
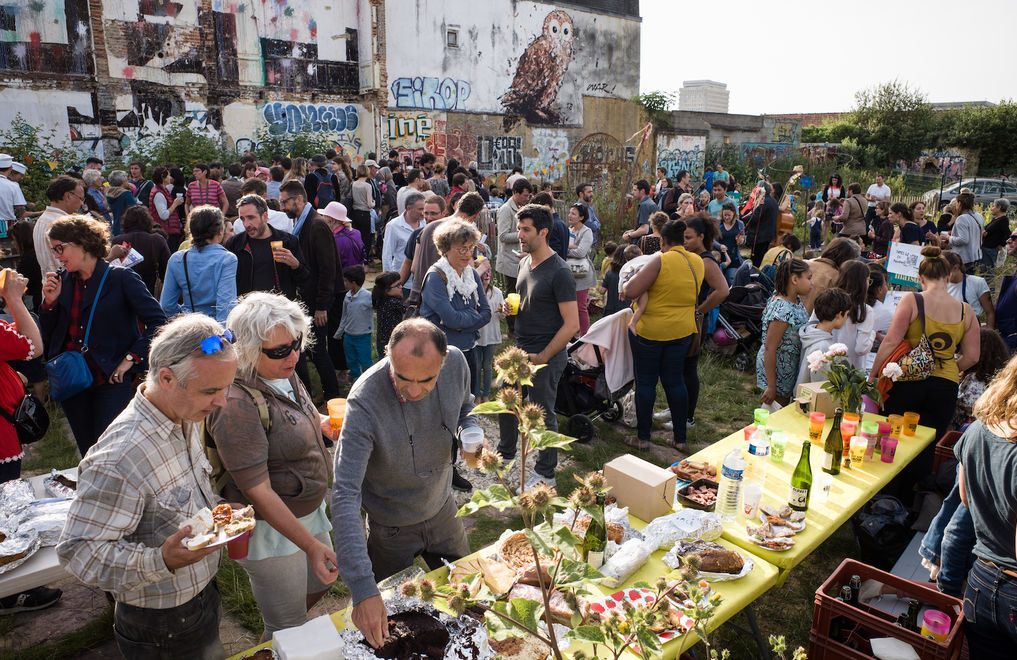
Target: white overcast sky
{"points": [[784, 57]]}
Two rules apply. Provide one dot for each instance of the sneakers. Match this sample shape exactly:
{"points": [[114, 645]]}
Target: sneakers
{"points": [[662, 415], [689, 425], [34, 599], [459, 482], [537, 478], [668, 426]]}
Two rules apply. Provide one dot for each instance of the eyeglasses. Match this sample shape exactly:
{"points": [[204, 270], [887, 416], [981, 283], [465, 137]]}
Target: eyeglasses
{"points": [[464, 249], [280, 352], [283, 200], [58, 249], [214, 344], [1012, 238]]}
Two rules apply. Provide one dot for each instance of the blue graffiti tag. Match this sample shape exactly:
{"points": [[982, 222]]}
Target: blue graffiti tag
{"points": [[283, 118], [431, 93]]}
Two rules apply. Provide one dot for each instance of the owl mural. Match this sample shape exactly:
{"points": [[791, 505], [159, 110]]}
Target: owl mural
{"points": [[540, 72]]}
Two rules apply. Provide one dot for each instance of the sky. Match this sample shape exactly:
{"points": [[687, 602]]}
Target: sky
{"points": [[776, 59]]}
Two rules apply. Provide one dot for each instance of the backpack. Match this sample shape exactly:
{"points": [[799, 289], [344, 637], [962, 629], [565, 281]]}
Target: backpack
{"points": [[325, 192], [220, 477], [413, 308]]}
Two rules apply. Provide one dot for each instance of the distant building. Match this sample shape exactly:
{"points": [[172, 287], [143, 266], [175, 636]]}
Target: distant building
{"points": [[703, 96]]}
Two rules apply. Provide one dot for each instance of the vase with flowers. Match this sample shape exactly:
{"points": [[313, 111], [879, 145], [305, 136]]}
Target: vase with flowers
{"points": [[846, 383]]}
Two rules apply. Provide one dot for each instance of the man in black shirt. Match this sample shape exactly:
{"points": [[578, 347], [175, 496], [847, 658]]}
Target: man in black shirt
{"points": [[260, 266]]}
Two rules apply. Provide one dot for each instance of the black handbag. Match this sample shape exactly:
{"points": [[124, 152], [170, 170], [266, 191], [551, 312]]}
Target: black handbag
{"points": [[29, 419]]}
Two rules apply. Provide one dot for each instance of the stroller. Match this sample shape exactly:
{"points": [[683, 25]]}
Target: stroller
{"points": [[584, 394], [741, 317]]}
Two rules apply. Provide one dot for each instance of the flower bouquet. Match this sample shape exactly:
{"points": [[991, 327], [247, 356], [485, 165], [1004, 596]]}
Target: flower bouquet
{"points": [[845, 382]]}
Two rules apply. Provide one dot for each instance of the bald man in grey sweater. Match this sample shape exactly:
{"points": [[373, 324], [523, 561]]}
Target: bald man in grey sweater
{"points": [[395, 460]]}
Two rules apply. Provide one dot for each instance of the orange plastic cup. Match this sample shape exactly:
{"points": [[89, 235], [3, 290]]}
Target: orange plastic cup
{"points": [[816, 421], [276, 245], [896, 425], [910, 423], [336, 413], [852, 417]]}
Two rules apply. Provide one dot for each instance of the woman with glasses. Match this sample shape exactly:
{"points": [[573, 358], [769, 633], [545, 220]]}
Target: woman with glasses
{"points": [[204, 276], [452, 294], [117, 348], [269, 437]]}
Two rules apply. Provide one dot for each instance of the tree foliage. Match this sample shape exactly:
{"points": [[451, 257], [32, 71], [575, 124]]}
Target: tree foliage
{"points": [[894, 119]]}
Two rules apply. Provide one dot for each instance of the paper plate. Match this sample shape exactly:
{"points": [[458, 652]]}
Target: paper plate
{"points": [[794, 527], [220, 540], [639, 597]]}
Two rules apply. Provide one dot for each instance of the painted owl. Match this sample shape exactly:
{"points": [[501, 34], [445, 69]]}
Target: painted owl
{"points": [[540, 72]]}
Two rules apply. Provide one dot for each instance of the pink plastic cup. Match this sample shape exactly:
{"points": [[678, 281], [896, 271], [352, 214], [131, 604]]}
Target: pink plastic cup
{"points": [[237, 548], [888, 447]]}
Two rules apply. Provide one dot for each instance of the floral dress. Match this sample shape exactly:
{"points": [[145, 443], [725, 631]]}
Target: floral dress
{"points": [[790, 349], [967, 394]]}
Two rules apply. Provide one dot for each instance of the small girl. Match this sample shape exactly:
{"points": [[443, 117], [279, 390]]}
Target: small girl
{"points": [[609, 251], [815, 221], [387, 300], [488, 340], [881, 232], [780, 352], [993, 357], [833, 210]]}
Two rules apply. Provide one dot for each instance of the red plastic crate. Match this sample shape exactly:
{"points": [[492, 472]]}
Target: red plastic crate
{"points": [[868, 622], [944, 448]]}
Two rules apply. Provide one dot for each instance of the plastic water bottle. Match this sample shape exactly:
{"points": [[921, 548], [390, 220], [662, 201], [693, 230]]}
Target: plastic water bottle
{"points": [[729, 489], [755, 474]]}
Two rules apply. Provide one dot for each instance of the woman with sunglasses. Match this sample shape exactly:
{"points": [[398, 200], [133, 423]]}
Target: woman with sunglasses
{"points": [[269, 437], [125, 318]]}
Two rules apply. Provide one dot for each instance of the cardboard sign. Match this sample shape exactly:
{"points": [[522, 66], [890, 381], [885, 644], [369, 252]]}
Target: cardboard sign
{"points": [[902, 263]]}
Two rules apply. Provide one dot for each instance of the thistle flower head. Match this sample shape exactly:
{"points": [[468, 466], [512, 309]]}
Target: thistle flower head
{"points": [[533, 415], [490, 461], [408, 589], [426, 589], [582, 496], [509, 397]]}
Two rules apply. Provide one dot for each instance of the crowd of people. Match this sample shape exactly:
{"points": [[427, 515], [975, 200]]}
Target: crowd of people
{"points": [[214, 293]]}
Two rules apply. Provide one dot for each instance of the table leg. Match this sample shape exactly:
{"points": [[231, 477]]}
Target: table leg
{"points": [[754, 632]]}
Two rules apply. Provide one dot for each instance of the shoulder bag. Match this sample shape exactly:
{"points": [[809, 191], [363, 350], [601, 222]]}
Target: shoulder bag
{"points": [[187, 278], [916, 362], [68, 372], [29, 419], [698, 336]]}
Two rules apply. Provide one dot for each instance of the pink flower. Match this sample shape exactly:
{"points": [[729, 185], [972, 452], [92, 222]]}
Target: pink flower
{"points": [[816, 360], [836, 349]]}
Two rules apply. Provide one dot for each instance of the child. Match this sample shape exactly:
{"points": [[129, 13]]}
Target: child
{"points": [[831, 312], [357, 323], [387, 300], [789, 244], [609, 251], [609, 284], [881, 232], [833, 209], [815, 222], [488, 340], [778, 357], [859, 333], [993, 357]]}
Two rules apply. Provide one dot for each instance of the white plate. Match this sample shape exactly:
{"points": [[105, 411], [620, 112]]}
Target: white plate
{"points": [[755, 540], [220, 540]]}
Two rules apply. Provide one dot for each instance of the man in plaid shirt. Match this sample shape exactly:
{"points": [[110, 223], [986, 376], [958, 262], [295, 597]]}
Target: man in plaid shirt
{"points": [[144, 477]]}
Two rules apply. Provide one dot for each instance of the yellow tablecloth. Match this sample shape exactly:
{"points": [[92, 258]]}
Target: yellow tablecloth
{"points": [[851, 488]]}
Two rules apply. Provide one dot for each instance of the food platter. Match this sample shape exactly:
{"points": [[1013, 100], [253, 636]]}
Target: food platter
{"points": [[643, 598], [672, 558]]}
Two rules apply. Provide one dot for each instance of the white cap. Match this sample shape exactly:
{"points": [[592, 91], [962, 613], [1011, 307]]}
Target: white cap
{"points": [[19, 167], [5, 161]]}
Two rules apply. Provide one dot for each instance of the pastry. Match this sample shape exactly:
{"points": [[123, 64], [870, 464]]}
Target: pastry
{"points": [[66, 481], [560, 610], [713, 560], [6, 559], [515, 551]]}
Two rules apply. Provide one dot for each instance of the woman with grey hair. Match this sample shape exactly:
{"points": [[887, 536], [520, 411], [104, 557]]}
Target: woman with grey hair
{"points": [[95, 198], [208, 283], [452, 294], [269, 437], [119, 197]]}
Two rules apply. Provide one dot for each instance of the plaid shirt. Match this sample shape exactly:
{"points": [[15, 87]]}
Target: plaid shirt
{"points": [[144, 477]]}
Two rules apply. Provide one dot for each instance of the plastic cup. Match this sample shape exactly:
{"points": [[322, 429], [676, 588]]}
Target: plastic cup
{"points": [[888, 448], [472, 440], [935, 625], [760, 416], [336, 413], [847, 429], [852, 417], [816, 421], [276, 245], [896, 425], [751, 494], [858, 447], [821, 491], [778, 445], [870, 433], [237, 548], [910, 423], [513, 303]]}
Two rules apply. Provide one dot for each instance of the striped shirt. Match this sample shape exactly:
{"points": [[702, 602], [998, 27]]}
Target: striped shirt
{"points": [[144, 477], [196, 195]]}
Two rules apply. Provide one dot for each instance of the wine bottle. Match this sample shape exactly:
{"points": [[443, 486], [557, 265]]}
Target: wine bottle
{"points": [[801, 481], [595, 541], [833, 448]]}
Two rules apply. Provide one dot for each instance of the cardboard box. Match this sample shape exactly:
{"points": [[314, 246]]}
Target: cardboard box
{"points": [[811, 397], [646, 489]]}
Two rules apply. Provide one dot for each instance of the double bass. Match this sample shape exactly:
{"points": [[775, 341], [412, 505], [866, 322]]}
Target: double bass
{"points": [[786, 219]]}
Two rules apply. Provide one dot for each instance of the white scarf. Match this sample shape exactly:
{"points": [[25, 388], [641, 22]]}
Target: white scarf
{"points": [[465, 284]]}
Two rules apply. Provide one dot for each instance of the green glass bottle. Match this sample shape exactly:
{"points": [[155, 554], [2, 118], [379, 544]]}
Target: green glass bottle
{"points": [[595, 541], [833, 448], [801, 481]]}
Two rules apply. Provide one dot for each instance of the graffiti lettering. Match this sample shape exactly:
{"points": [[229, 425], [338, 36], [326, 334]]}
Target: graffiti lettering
{"points": [[943, 162], [673, 160], [497, 153], [785, 132], [401, 127], [818, 153], [430, 93], [762, 154], [607, 88], [291, 118]]}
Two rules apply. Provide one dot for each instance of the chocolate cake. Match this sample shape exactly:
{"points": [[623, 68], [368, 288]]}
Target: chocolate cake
{"points": [[414, 636]]}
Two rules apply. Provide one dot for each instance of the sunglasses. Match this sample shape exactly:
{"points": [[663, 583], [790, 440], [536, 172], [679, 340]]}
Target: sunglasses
{"points": [[58, 249], [1011, 239], [214, 344], [280, 352]]}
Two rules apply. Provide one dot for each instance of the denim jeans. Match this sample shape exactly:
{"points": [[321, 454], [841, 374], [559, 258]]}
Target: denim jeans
{"points": [[989, 258], [190, 630], [663, 361], [319, 356], [543, 392], [949, 542], [990, 610], [485, 369]]}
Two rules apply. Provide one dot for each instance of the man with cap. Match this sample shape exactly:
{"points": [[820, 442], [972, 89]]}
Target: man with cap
{"points": [[319, 195], [12, 202], [18, 171]]}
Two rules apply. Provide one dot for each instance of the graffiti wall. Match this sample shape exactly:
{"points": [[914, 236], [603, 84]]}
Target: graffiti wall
{"points": [[252, 43], [949, 162], [547, 59], [46, 36], [547, 152], [348, 126], [71, 116], [782, 131], [818, 152], [499, 153], [681, 152], [762, 154], [409, 133]]}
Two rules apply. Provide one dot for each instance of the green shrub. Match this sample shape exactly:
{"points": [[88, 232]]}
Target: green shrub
{"points": [[44, 155]]}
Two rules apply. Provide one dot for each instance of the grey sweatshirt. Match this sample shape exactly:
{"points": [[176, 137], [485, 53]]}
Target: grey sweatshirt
{"points": [[395, 460], [813, 339]]}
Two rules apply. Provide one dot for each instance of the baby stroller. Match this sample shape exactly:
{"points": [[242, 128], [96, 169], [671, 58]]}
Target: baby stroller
{"points": [[584, 390], [741, 317]]}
